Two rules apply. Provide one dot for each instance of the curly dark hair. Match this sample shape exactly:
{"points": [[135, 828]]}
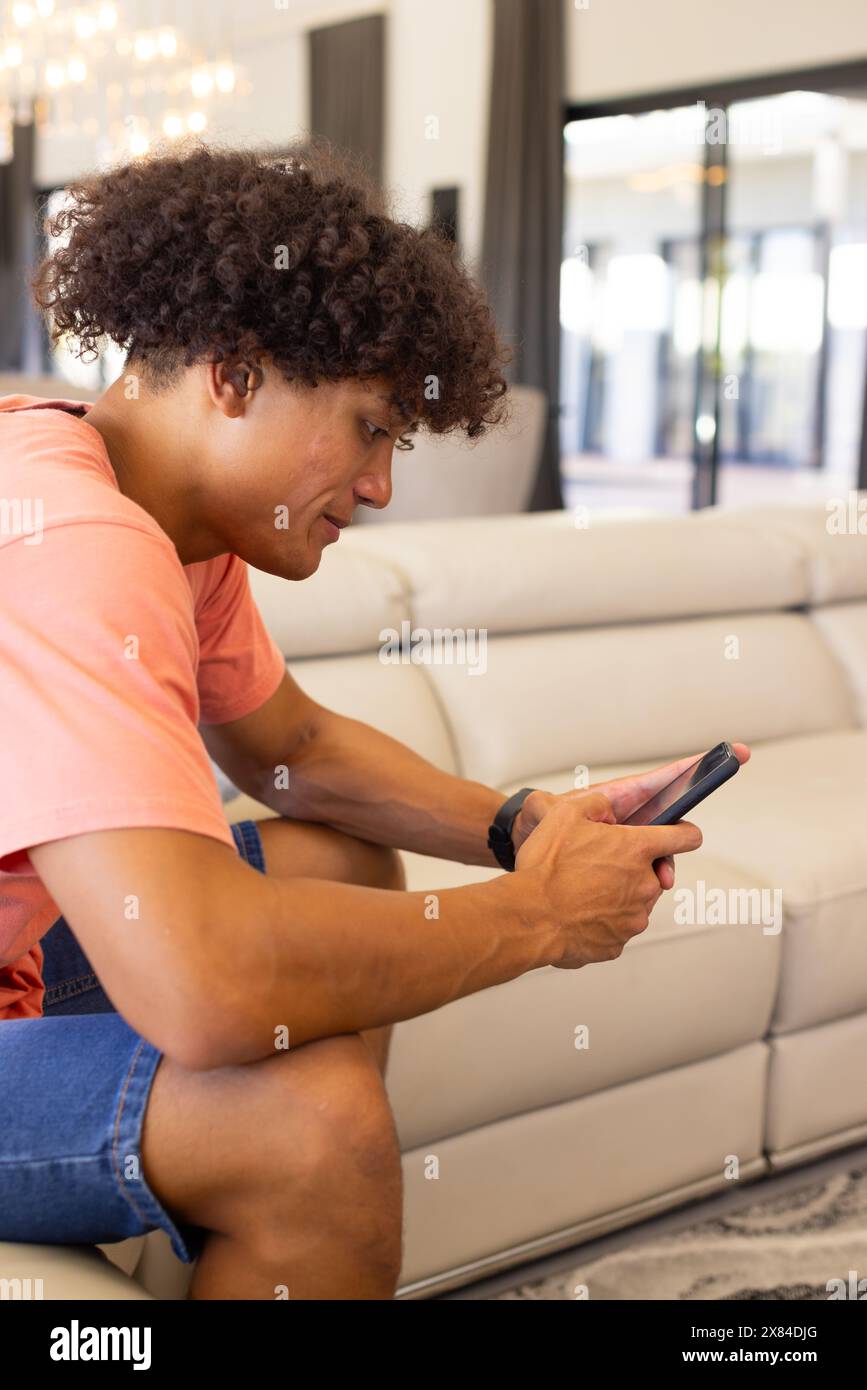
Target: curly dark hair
{"points": [[201, 253]]}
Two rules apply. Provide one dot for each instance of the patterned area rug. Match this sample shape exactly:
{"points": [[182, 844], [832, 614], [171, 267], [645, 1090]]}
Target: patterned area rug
{"points": [[784, 1247]]}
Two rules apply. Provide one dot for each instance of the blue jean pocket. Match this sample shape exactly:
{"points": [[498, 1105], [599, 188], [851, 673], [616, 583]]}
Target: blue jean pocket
{"points": [[71, 983]]}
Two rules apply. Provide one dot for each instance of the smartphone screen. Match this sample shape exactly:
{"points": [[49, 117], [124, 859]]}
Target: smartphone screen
{"points": [[689, 778]]}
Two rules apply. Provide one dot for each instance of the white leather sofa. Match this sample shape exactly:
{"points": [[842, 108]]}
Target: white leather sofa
{"points": [[713, 1047]]}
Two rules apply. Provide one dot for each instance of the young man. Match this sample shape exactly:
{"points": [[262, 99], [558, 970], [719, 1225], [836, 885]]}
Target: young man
{"points": [[282, 333]]}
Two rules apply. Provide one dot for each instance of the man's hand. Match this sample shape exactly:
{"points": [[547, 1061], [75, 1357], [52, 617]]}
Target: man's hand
{"points": [[625, 795], [591, 881]]}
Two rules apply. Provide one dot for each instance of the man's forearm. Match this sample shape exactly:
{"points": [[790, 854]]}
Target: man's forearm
{"points": [[320, 959], [347, 774]]}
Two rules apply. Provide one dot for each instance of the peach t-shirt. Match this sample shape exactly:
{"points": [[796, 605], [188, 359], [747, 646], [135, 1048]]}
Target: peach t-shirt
{"points": [[111, 653]]}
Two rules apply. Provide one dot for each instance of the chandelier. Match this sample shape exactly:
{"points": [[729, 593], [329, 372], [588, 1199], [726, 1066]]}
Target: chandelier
{"points": [[113, 74]]}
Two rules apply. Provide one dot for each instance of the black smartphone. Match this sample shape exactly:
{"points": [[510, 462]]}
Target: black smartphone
{"points": [[702, 777]]}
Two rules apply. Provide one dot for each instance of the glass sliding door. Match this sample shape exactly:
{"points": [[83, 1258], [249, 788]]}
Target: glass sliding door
{"points": [[714, 297], [630, 308], [794, 313]]}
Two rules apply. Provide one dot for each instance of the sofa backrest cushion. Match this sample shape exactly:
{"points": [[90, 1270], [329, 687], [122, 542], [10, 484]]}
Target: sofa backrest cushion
{"points": [[529, 573], [608, 644], [555, 700], [341, 608], [399, 700], [844, 628]]}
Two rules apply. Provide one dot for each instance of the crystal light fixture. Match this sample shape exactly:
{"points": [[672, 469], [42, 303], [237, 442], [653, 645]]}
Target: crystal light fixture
{"points": [[88, 66]]}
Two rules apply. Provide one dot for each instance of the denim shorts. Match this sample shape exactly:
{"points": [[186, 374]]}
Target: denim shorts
{"points": [[74, 1089]]}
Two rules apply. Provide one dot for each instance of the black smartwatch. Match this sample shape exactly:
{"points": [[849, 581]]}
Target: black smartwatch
{"points": [[500, 832]]}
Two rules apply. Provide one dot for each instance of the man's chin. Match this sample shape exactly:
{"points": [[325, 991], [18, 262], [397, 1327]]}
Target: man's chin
{"points": [[295, 566], [314, 560], [302, 567]]}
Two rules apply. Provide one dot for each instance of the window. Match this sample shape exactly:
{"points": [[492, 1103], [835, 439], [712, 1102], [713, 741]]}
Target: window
{"points": [[714, 300]]}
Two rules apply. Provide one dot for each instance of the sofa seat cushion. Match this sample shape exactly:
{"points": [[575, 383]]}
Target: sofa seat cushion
{"points": [[677, 994], [66, 1272], [817, 1084], [793, 821], [816, 1087], [582, 1168], [125, 1253]]}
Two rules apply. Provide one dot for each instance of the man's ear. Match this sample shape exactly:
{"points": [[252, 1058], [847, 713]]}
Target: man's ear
{"points": [[230, 385]]}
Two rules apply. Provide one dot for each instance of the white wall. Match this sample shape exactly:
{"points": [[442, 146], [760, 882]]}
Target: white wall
{"points": [[623, 47], [438, 66]]}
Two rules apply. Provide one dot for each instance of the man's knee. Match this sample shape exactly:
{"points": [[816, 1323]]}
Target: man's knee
{"points": [[374, 866], [346, 1115], [389, 867], [345, 1166], [301, 848]]}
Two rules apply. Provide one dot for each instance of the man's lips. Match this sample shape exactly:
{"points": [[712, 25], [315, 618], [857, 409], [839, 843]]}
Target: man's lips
{"points": [[335, 524]]}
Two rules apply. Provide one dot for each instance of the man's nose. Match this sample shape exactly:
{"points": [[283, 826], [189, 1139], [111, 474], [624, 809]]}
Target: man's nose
{"points": [[373, 489]]}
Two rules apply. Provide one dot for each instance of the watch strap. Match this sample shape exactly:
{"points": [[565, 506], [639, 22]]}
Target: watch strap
{"points": [[500, 830]]}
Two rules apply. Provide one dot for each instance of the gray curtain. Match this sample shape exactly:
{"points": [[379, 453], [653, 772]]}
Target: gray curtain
{"points": [[523, 229], [17, 249], [347, 86]]}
